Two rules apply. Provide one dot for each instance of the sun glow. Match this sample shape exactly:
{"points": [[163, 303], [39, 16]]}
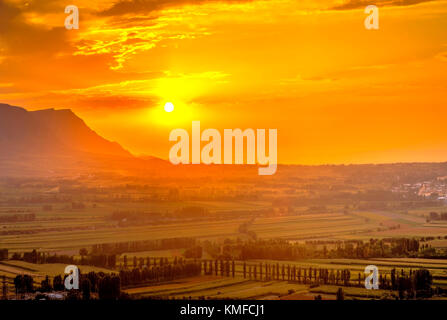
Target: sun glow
{"points": [[169, 107], [173, 113]]}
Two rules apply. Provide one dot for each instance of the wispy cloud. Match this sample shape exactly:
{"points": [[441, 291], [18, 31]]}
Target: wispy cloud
{"points": [[20, 37], [147, 6], [355, 4]]}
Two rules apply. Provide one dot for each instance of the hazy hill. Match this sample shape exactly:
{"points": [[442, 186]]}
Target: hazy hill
{"points": [[57, 142], [50, 132], [54, 141]]}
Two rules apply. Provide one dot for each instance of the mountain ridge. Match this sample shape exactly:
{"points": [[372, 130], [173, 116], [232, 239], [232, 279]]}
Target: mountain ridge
{"points": [[51, 131], [50, 141]]}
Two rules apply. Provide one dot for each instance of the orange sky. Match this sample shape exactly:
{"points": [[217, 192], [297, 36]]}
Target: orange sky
{"points": [[336, 92]]}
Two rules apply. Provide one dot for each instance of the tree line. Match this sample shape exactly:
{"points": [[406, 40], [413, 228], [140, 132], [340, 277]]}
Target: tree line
{"points": [[160, 273], [97, 260], [18, 217], [108, 286], [279, 249], [104, 286], [434, 216], [412, 284], [143, 245]]}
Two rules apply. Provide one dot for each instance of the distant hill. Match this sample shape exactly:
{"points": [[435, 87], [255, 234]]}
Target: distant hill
{"points": [[50, 141], [59, 143], [50, 132]]}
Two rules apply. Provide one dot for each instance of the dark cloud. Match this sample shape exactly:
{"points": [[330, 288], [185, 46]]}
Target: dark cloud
{"points": [[44, 6], [8, 15], [147, 6], [114, 103], [355, 4], [17, 36]]}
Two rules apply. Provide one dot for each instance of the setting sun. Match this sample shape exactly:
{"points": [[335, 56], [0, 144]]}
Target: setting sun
{"points": [[169, 107], [197, 154]]}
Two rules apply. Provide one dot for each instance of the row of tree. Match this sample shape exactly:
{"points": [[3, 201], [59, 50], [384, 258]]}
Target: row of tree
{"points": [[434, 216], [98, 260], [108, 286], [18, 217], [148, 262], [4, 254], [161, 273], [416, 283], [285, 250], [105, 286], [143, 245]]}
